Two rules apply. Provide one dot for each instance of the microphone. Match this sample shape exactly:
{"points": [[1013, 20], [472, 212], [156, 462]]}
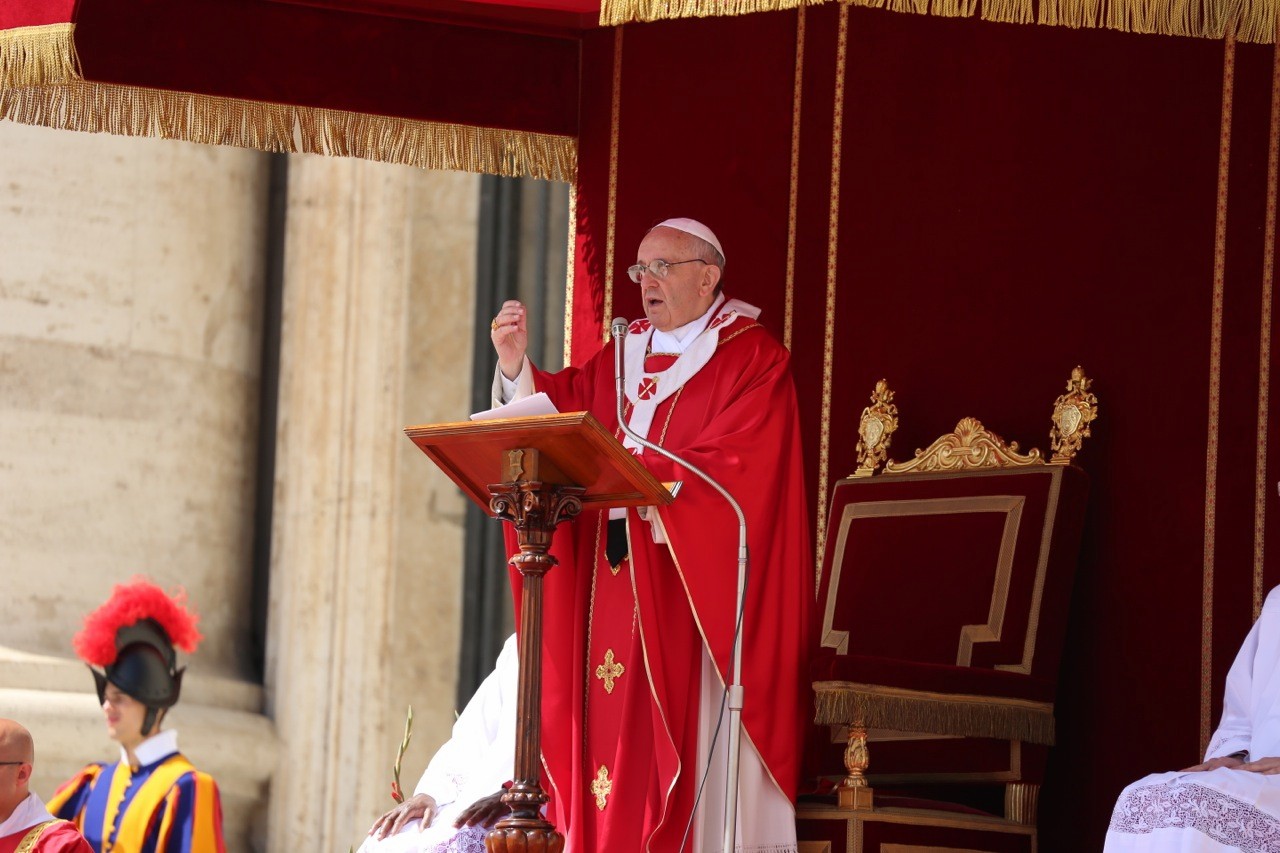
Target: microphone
{"points": [[733, 690], [618, 328]]}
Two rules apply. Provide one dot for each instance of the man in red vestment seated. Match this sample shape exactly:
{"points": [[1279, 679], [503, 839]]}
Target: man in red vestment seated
{"points": [[640, 612], [25, 824]]}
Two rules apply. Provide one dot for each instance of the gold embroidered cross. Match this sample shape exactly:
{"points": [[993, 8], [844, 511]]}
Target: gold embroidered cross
{"points": [[602, 786], [609, 670]]}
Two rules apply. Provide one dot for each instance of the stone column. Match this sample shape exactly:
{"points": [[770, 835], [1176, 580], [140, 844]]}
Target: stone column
{"points": [[130, 324], [367, 537]]}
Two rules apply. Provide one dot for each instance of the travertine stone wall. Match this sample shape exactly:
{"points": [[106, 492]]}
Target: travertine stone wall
{"points": [[131, 279], [367, 535]]}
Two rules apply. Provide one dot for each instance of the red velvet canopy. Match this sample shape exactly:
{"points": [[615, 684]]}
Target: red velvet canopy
{"points": [[959, 200]]}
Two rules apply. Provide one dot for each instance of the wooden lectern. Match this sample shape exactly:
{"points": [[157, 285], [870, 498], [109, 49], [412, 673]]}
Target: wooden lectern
{"points": [[536, 472]]}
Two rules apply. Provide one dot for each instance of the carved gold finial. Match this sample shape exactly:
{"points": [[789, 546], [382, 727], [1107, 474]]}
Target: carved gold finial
{"points": [[875, 429], [1072, 414], [971, 446]]}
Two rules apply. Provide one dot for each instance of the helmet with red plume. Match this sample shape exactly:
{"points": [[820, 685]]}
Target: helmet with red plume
{"points": [[132, 637]]}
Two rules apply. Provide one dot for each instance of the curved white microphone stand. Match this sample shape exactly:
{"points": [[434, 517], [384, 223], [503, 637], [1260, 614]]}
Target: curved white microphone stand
{"points": [[735, 692]]}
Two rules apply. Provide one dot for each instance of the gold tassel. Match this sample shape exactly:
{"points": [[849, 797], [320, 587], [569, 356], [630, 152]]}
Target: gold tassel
{"points": [[132, 111], [1254, 20], [1008, 11], [38, 56], [900, 710], [617, 12]]}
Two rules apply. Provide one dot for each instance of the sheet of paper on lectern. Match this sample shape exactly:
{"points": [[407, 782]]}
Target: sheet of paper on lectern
{"points": [[534, 404]]}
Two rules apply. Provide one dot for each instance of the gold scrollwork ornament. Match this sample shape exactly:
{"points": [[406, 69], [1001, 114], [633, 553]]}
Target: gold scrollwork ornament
{"points": [[1072, 414], [970, 447], [875, 430]]}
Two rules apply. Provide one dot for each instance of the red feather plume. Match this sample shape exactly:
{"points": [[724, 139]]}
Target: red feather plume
{"points": [[130, 603]]}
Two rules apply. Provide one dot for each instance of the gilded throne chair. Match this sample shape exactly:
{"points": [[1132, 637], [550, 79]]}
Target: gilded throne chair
{"points": [[943, 601]]}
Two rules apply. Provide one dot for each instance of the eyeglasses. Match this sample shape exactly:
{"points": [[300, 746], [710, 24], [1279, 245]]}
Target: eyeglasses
{"points": [[7, 763], [657, 268]]}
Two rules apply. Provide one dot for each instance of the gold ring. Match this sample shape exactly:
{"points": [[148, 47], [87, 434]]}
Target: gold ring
{"points": [[493, 326]]}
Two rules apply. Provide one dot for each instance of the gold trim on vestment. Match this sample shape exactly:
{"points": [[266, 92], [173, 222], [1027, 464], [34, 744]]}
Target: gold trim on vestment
{"points": [[34, 834], [1215, 393], [38, 56], [794, 192], [828, 342], [1244, 20], [609, 671], [1269, 236], [611, 214], [653, 690], [210, 120], [601, 787]]}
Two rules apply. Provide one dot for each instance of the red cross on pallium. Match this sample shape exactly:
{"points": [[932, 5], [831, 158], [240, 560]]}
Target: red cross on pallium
{"points": [[721, 320], [648, 387], [638, 326]]}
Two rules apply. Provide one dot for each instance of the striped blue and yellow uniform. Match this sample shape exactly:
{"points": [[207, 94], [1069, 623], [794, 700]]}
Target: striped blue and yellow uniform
{"points": [[164, 807]]}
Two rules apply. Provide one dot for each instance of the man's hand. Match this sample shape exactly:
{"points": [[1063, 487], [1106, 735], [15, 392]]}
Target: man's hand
{"points": [[418, 807], [1215, 763], [1266, 766], [510, 336], [485, 811]]}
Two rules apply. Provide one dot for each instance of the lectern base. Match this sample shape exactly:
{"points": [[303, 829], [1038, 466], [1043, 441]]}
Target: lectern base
{"points": [[515, 835]]}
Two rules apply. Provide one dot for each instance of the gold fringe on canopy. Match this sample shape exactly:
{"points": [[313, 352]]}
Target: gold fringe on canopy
{"points": [[1250, 20], [133, 111], [38, 56], [874, 706]]}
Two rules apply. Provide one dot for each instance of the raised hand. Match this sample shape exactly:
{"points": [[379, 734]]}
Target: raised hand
{"points": [[510, 335]]}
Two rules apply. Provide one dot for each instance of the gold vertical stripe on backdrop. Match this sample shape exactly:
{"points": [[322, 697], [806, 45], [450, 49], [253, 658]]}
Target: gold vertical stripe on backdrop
{"points": [[615, 119], [1264, 340], [570, 273], [828, 344], [1215, 391], [792, 202]]}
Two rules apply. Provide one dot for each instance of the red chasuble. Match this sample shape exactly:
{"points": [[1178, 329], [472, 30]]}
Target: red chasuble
{"points": [[60, 837], [624, 647]]}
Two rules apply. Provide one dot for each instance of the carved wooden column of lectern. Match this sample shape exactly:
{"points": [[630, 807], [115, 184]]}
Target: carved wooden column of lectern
{"points": [[536, 472]]}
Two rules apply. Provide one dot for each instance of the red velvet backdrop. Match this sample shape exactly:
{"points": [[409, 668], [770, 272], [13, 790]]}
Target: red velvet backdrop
{"points": [[1013, 200], [429, 70]]}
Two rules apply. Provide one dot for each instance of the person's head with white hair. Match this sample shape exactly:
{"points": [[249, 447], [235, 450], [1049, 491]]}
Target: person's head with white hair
{"points": [[680, 268]]}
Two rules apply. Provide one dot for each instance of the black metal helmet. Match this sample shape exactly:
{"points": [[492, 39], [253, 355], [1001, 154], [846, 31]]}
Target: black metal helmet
{"points": [[131, 637]]}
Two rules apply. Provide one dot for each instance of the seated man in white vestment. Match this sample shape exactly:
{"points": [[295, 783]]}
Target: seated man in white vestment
{"points": [[1232, 800], [457, 799]]}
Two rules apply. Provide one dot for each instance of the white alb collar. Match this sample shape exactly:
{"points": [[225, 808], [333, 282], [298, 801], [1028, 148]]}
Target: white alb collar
{"points": [[678, 340], [28, 813], [160, 745]]}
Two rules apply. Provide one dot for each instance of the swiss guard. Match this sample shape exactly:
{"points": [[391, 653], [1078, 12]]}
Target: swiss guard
{"points": [[152, 799]]}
